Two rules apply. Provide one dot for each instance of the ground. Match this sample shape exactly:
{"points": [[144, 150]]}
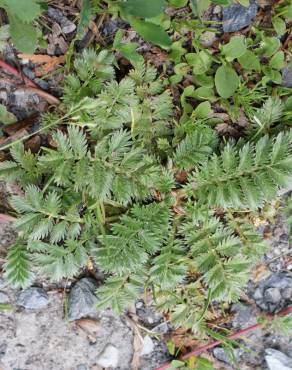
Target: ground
{"points": [[55, 326]]}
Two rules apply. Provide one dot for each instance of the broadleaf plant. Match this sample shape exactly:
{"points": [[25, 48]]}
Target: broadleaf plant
{"points": [[21, 15], [158, 205]]}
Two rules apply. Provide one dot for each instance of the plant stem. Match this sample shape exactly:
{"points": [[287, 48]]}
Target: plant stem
{"points": [[235, 335]]}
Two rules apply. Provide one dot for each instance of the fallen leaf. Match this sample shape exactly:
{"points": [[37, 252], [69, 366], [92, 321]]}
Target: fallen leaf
{"points": [[50, 66], [36, 58], [260, 272]]}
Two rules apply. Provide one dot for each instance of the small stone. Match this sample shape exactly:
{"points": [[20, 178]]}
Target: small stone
{"points": [[217, 9], [33, 298], [221, 355], [287, 76], [277, 360], [273, 295], [208, 38], [82, 300], [162, 328], [237, 17], [258, 294], [81, 367], [3, 348], [4, 298], [147, 346], [287, 293], [147, 315], [109, 357], [68, 26]]}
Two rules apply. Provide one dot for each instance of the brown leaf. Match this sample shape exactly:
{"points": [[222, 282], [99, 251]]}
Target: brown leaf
{"points": [[260, 272], [36, 58], [49, 66], [25, 123]]}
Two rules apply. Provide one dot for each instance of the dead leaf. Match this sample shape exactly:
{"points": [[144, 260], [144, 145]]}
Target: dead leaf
{"points": [[260, 272], [50, 66], [36, 58], [25, 123]]}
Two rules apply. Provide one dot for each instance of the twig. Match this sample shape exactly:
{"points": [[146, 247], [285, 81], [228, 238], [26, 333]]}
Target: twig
{"points": [[216, 343], [31, 86], [43, 94], [8, 68]]}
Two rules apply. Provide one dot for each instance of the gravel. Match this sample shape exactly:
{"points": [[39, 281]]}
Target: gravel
{"points": [[277, 360], [82, 300], [287, 77], [237, 17], [274, 293], [33, 299]]}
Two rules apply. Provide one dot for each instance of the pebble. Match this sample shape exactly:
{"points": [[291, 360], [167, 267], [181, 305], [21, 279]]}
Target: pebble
{"points": [[221, 355], [147, 315], [82, 300], [109, 357], [287, 76], [273, 295], [147, 346], [208, 38], [66, 25], [162, 328], [217, 9], [277, 360], [237, 17], [33, 298], [4, 298]]}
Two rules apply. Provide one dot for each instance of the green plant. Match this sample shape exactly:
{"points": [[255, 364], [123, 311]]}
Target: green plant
{"points": [[21, 16], [155, 203]]}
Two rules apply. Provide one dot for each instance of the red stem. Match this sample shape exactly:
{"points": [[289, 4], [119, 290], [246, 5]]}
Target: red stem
{"points": [[15, 72], [30, 84], [235, 335]]}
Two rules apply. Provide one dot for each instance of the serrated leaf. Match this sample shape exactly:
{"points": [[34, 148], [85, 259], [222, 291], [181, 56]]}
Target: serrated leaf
{"points": [[25, 10], [142, 8], [151, 32], [226, 81], [24, 35]]}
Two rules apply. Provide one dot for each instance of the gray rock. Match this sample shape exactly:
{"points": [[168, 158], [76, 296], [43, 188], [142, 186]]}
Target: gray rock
{"points": [[236, 16], [33, 299], [81, 367], [109, 357], [4, 298], [245, 315], [66, 25], [147, 315], [287, 293], [162, 328], [3, 348], [287, 76], [221, 355], [158, 356], [273, 295], [147, 346], [277, 360], [82, 300]]}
